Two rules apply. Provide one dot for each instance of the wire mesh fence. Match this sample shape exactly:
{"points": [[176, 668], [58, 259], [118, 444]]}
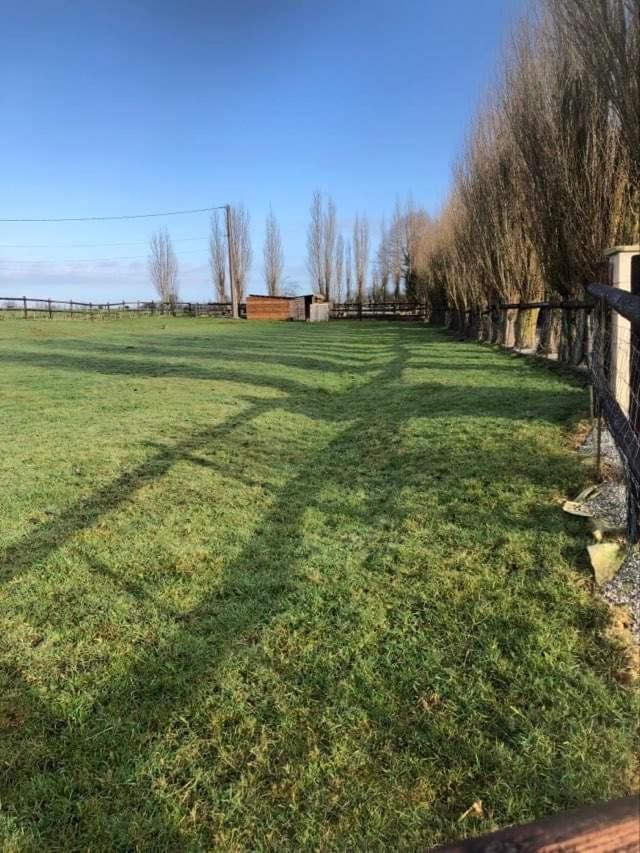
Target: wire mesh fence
{"points": [[615, 376]]}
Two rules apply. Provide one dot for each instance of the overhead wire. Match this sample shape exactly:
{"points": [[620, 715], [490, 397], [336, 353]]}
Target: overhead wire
{"points": [[111, 218]]}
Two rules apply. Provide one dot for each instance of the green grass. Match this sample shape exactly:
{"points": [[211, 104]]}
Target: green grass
{"points": [[288, 587]]}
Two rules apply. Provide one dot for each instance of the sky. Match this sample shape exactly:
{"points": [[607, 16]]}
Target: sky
{"points": [[117, 108]]}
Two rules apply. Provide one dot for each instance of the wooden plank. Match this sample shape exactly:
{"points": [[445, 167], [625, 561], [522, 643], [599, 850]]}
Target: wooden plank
{"points": [[612, 827]]}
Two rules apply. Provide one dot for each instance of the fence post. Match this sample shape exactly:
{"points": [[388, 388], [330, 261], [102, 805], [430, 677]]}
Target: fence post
{"points": [[50, 314], [91, 310], [359, 310], [71, 307], [24, 307]]}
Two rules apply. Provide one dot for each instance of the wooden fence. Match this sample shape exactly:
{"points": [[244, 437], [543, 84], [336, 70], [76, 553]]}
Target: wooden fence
{"points": [[23, 306], [416, 311], [556, 330], [26, 307], [602, 828]]}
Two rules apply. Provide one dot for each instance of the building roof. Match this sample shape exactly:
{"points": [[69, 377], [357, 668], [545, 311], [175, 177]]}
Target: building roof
{"points": [[266, 296]]}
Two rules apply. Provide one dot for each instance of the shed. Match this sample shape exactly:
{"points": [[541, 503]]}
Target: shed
{"points": [[282, 307]]}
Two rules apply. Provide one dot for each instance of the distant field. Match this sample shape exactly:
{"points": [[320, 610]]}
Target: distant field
{"points": [[290, 587]]}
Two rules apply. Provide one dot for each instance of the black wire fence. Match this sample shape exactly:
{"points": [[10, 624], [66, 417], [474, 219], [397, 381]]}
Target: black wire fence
{"points": [[555, 330], [615, 376]]}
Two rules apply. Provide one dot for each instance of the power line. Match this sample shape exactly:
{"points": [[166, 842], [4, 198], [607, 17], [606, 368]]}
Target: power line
{"points": [[90, 260], [127, 216], [91, 245]]}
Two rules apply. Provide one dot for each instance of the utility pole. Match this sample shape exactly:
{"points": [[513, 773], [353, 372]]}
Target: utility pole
{"points": [[232, 284]]}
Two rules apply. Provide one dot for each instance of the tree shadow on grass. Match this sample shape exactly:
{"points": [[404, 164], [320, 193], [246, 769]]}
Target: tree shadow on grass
{"points": [[161, 683], [73, 783], [46, 537], [483, 401], [214, 350]]}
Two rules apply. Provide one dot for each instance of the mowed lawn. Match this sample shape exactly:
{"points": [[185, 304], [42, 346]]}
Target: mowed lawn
{"points": [[290, 587]]}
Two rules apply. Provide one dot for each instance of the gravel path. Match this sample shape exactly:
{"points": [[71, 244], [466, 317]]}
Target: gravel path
{"points": [[608, 450], [624, 589], [610, 504]]}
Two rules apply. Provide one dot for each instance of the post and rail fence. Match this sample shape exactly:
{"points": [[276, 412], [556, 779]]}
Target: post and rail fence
{"points": [[614, 366], [28, 307]]}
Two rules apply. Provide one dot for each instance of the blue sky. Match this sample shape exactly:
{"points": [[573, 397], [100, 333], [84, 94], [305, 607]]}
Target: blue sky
{"points": [[132, 107]]}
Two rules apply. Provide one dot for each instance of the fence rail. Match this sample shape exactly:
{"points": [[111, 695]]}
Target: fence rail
{"points": [[379, 311], [602, 828], [557, 330], [615, 376], [30, 307], [24, 306]]}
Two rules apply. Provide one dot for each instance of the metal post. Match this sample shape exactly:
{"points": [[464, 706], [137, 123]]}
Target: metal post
{"points": [[232, 284], [24, 306], [50, 314]]}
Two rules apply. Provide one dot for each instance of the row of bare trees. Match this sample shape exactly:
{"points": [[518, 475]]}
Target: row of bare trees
{"points": [[548, 179], [338, 268], [229, 242], [345, 270]]}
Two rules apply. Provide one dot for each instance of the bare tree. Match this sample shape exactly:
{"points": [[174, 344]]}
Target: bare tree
{"points": [[163, 266], [573, 181], [546, 180], [315, 243], [394, 250], [604, 35], [383, 262], [348, 272], [361, 254], [273, 256], [328, 248], [218, 257], [240, 249], [339, 268]]}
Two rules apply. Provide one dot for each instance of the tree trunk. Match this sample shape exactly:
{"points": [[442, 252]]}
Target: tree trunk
{"points": [[507, 335], [550, 333], [526, 328], [499, 327], [494, 321], [579, 346], [488, 326], [567, 336]]}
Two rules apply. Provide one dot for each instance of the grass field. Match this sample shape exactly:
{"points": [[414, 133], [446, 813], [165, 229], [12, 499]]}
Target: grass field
{"points": [[289, 587]]}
